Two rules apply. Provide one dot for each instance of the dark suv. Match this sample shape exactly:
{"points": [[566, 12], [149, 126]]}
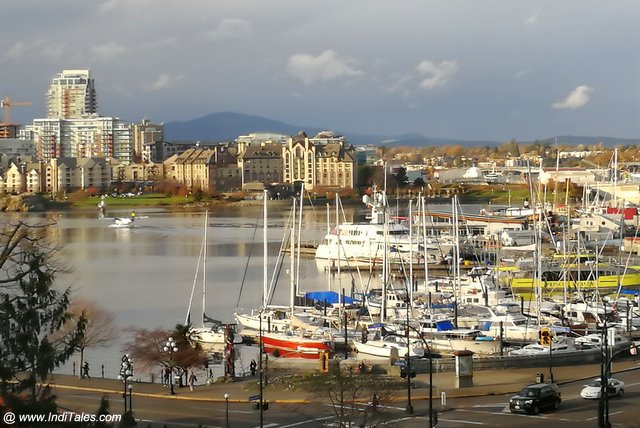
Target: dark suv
{"points": [[532, 398]]}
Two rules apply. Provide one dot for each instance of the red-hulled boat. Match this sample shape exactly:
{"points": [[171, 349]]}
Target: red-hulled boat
{"points": [[292, 345]]}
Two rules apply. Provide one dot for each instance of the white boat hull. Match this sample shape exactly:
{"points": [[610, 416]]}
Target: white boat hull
{"points": [[381, 348]]}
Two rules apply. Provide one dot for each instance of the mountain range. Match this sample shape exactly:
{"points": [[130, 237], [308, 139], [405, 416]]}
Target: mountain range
{"points": [[227, 126]]}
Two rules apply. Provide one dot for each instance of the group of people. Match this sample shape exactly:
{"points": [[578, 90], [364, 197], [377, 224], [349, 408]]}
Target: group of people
{"points": [[166, 378]]}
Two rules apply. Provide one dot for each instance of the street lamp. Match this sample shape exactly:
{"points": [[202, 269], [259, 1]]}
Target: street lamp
{"points": [[126, 372], [426, 344], [226, 411], [130, 397], [171, 347], [409, 408]]}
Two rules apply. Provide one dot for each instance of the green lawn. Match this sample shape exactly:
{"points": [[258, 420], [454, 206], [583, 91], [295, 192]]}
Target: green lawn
{"points": [[147, 200], [499, 194]]}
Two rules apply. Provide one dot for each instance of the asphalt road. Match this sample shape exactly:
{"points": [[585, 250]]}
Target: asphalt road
{"points": [[490, 411]]}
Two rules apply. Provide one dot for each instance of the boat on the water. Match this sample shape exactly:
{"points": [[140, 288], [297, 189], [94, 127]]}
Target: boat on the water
{"points": [[390, 345], [557, 279], [297, 344], [363, 243]]}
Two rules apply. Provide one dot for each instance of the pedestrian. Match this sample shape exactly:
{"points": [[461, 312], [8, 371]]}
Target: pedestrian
{"points": [[375, 400], [191, 379], [253, 366], [85, 370], [166, 376]]}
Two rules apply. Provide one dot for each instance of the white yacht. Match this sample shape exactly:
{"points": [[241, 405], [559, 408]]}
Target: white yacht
{"points": [[352, 244]]}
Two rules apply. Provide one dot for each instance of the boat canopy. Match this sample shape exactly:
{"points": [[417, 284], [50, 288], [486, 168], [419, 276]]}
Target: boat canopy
{"points": [[444, 325], [329, 297]]}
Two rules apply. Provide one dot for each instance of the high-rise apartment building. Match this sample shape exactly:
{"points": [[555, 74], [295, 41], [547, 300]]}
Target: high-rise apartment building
{"points": [[72, 95]]}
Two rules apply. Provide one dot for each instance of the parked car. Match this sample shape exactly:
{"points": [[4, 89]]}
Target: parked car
{"points": [[533, 398], [592, 390]]}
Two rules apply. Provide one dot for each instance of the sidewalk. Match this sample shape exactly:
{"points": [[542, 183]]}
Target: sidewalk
{"points": [[486, 382]]}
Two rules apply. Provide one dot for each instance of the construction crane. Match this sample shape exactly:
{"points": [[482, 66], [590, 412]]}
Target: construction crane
{"points": [[6, 104]]}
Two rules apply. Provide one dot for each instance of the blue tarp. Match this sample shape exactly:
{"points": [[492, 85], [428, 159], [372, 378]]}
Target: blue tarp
{"points": [[328, 296], [444, 325]]}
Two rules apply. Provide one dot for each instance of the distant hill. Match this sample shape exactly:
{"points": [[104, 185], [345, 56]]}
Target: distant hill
{"points": [[227, 126]]}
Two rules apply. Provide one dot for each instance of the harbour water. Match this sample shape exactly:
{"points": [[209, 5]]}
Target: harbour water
{"points": [[144, 275]]}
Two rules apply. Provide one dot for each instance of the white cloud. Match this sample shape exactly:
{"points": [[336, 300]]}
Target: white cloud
{"points": [[400, 84], [324, 67], [230, 29], [432, 75], [17, 50], [577, 98], [165, 81], [54, 52], [108, 51], [532, 20]]}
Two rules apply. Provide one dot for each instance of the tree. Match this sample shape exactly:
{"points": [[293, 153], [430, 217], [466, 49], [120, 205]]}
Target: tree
{"points": [[346, 388], [31, 310], [401, 177], [147, 349], [99, 328], [418, 182]]}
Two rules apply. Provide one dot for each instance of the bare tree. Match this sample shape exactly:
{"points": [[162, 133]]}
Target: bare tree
{"points": [[147, 349], [99, 329]]}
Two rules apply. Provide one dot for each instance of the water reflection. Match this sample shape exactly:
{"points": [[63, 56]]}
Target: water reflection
{"points": [[144, 275]]}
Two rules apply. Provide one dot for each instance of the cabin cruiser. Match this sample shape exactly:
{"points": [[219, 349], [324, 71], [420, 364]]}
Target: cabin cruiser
{"points": [[369, 243], [503, 320], [389, 346]]}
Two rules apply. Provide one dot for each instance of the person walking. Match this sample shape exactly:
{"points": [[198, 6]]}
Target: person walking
{"points": [[85, 370], [253, 366], [164, 376], [191, 380]]}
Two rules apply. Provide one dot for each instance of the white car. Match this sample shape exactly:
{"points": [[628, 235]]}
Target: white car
{"points": [[592, 390]]}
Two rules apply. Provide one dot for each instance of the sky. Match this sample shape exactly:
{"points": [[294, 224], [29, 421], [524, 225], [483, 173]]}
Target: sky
{"points": [[467, 69]]}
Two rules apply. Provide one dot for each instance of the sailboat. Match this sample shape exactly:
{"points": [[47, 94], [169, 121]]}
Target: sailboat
{"points": [[385, 344], [281, 339], [217, 333]]}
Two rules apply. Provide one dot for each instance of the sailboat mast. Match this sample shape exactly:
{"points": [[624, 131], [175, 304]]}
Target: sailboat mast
{"points": [[411, 250], [615, 177], [292, 252], [328, 232], [385, 267], [265, 279], [204, 266], [299, 235]]}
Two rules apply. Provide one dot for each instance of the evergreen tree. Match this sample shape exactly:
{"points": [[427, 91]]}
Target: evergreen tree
{"points": [[31, 309]]}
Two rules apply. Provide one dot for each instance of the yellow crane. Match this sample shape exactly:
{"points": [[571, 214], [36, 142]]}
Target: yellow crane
{"points": [[6, 104]]}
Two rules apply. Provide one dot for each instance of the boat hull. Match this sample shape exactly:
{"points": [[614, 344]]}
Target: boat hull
{"points": [[289, 346], [380, 348], [526, 287]]}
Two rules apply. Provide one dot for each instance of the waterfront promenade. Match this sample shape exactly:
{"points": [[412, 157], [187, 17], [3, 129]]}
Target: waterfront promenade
{"points": [[485, 382]]}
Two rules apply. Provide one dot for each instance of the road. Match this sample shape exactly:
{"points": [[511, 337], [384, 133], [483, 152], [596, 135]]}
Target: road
{"points": [[486, 410]]}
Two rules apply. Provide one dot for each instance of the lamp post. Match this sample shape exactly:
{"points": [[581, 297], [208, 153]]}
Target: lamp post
{"points": [[226, 410], [430, 373], [126, 372], [260, 351], [171, 347], [130, 386], [409, 408]]}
